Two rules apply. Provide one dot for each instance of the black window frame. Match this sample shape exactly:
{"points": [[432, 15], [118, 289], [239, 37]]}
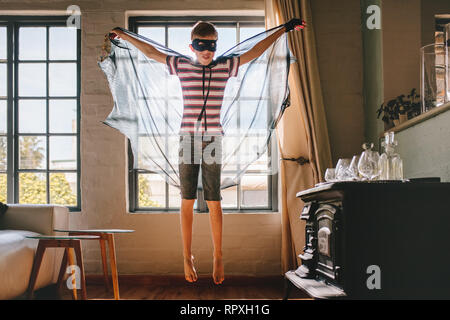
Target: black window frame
{"points": [[220, 21], [13, 23]]}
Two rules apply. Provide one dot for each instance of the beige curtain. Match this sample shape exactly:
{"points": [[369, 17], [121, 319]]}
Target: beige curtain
{"points": [[302, 131]]}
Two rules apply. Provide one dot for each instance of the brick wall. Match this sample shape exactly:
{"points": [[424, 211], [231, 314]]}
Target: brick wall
{"points": [[251, 242]]}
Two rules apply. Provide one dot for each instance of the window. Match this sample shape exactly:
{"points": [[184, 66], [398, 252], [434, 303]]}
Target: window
{"points": [[149, 191], [39, 111]]}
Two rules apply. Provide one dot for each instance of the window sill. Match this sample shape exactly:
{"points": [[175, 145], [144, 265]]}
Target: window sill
{"points": [[420, 118]]}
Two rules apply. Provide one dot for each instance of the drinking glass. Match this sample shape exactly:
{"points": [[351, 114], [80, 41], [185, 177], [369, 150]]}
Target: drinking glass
{"points": [[330, 174], [368, 162], [342, 169], [353, 168], [375, 156]]}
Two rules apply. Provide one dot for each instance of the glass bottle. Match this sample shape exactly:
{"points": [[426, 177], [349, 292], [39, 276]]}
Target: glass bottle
{"points": [[391, 165]]}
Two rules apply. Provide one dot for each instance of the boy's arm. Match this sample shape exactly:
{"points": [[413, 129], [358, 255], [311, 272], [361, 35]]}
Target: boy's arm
{"points": [[147, 49], [261, 46]]}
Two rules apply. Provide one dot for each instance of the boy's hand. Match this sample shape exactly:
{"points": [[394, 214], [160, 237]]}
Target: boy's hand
{"points": [[296, 24], [115, 33]]}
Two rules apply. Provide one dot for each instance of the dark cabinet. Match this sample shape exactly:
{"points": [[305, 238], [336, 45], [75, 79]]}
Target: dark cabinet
{"points": [[375, 240]]}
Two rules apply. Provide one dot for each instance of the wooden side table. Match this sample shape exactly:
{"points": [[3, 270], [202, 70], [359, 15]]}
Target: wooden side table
{"points": [[106, 238], [70, 243]]}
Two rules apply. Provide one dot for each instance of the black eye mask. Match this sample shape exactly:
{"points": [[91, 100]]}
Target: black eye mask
{"points": [[203, 44]]}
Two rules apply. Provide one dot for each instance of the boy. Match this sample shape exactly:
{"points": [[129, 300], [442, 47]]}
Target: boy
{"points": [[203, 83]]}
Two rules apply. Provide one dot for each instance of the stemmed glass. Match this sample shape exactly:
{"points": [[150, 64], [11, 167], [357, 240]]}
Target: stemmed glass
{"points": [[353, 168], [368, 162]]}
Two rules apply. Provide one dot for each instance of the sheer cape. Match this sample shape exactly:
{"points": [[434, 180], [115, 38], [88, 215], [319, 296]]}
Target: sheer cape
{"points": [[148, 107]]}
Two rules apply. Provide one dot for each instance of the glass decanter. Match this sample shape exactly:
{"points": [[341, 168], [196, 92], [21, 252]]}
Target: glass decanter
{"points": [[391, 165], [368, 163]]}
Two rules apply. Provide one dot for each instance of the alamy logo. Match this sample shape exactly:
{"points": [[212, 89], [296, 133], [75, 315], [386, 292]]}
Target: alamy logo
{"points": [[374, 20], [374, 280], [74, 280]]}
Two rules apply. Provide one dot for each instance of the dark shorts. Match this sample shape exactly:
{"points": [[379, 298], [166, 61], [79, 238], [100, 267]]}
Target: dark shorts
{"points": [[203, 152]]}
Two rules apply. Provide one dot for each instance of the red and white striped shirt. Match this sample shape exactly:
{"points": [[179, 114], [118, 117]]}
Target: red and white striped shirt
{"points": [[195, 79]]}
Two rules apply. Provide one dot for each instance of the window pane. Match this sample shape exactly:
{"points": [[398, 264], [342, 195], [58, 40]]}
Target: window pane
{"points": [[3, 78], [32, 153], [179, 40], [62, 43], [262, 164], [151, 146], [151, 191], [3, 116], [247, 32], [229, 195], [228, 145], [63, 79], [254, 191], [32, 79], [258, 72], [174, 197], [173, 146], [226, 39], [63, 188], [63, 153], [32, 116], [63, 116], [253, 114], [3, 42], [3, 154], [3, 185], [249, 150], [32, 187], [157, 34], [32, 43]]}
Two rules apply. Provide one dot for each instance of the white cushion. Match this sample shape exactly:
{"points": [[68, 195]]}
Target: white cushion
{"points": [[16, 261]]}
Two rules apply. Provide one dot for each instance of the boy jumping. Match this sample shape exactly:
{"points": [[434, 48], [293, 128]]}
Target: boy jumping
{"points": [[203, 83]]}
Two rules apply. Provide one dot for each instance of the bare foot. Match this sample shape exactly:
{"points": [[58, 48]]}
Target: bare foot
{"points": [[189, 270], [218, 273]]}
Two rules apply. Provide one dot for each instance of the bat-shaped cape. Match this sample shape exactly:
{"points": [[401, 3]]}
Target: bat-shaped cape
{"points": [[148, 107]]}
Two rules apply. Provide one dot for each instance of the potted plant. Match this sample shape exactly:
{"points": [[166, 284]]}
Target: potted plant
{"points": [[414, 108], [387, 109], [400, 109]]}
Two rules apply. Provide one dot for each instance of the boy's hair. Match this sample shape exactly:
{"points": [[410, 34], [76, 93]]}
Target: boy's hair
{"points": [[203, 29]]}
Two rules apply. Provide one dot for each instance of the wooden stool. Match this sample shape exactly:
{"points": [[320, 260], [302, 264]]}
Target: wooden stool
{"points": [[106, 237], [70, 243]]}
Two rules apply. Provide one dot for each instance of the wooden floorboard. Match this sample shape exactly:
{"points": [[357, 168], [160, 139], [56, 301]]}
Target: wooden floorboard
{"points": [[176, 288]]}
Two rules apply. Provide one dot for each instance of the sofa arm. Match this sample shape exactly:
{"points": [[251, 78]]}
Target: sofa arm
{"points": [[40, 218]]}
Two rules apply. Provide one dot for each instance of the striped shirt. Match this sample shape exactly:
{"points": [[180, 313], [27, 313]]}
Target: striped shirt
{"points": [[195, 80]]}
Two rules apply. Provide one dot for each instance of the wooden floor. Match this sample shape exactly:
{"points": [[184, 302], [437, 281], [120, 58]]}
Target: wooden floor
{"points": [[176, 288]]}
